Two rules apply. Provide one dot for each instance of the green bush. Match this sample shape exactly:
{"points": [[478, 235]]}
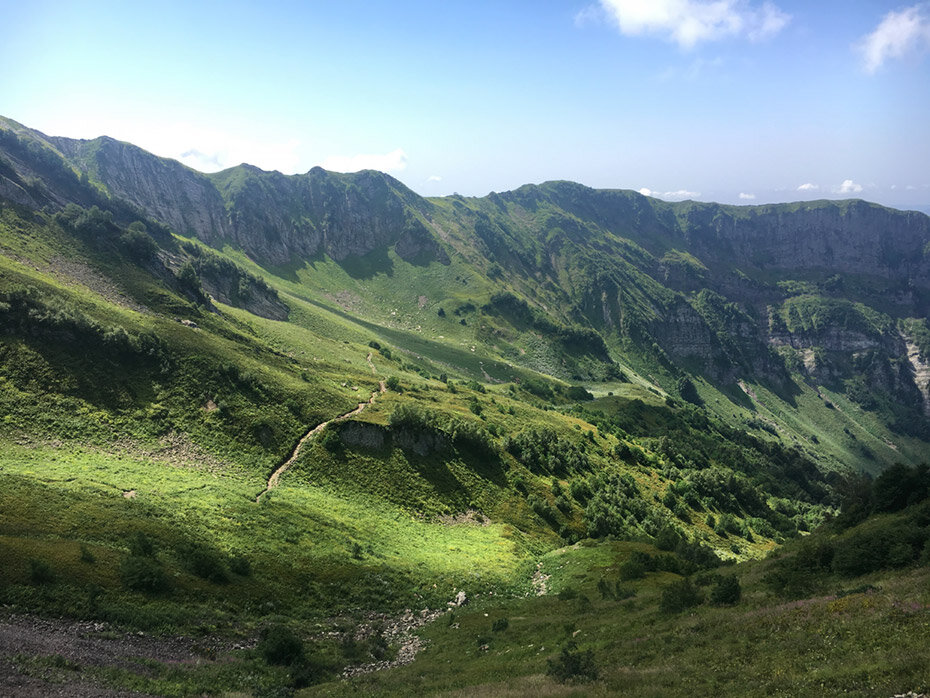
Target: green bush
{"points": [[86, 555], [143, 574], [40, 572], [688, 392], [726, 591], [577, 393], [138, 244], [632, 569], [573, 664], [500, 625], [679, 596], [279, 645], [239, 564], [330, 440], [203, 562], [140, 545]]}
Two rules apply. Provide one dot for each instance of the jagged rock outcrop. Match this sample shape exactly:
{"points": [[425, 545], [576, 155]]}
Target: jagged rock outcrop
{"points": [[165, 189], [846, 237], [275, 217]]}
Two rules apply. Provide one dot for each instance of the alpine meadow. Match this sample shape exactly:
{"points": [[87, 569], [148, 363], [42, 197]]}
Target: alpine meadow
{"points": [[318, 434]]}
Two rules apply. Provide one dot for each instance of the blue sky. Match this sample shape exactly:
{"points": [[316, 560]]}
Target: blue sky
{"points": [[733, 100]]}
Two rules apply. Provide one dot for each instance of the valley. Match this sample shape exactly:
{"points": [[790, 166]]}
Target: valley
{"points": [[264, 433]]}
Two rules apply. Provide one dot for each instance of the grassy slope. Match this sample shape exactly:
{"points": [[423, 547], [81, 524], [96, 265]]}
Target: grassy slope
{"points": [[863, 636]]}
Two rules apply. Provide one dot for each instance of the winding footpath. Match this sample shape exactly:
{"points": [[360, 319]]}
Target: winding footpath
{"points": [[281, 469]]}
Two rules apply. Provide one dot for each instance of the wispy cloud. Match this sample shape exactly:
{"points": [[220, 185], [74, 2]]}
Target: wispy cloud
{"points": [[395, 161], [848, 187], [747, 197], [434, 178], [210, 150], [808, 186], [689, 22], [901, 32], [693, 70], [678, 195]]}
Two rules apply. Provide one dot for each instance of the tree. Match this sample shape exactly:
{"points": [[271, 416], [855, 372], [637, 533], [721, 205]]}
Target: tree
{"points": [[727, 591], [688, 392], [573, 664], [279, 645], [138, 243], [679, 596]]}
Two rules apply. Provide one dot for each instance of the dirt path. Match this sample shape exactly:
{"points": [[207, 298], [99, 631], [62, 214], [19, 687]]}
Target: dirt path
{"points": [[370, 363], [281, 469], [56, 657]]}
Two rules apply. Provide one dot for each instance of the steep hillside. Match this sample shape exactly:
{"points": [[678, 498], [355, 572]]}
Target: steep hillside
{"points": [[245, 404]]}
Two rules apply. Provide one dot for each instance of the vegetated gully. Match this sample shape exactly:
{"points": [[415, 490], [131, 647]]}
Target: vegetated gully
{"points": [[289, 461]]}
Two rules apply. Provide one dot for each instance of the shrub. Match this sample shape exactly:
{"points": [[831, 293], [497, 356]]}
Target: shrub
{"points": [[279, 645], [578, 393], [86, 555], [632, 569], [667, 538], [239, 564], [331, 441], [143, 574], [688, 392], [726, 591], [138, 243], [40, 572], [140, 545], [392, 382], [573, 664], [679, 596], [500, 625], [204, 563]]}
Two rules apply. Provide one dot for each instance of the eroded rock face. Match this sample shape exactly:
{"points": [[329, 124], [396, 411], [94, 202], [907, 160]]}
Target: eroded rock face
{"points": [[274, 218], [852, 237], [361, 434], [168, 191]]}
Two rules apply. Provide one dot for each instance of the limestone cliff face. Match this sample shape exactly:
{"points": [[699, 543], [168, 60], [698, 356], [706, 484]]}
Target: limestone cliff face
{"points": [[849, 237], [272, 217], [275, 218], [165, 189]]}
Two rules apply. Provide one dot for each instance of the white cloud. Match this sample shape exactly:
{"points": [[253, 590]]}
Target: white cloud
{"points": [[689, 22], [680, 194], [808, 186], [395, 161], [211, 150], [899, 33], [747, 197], [848, 187], [434, 178], [204, 147]]}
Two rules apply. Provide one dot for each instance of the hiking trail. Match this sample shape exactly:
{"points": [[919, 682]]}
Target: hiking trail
{"points": [[281, 469]]}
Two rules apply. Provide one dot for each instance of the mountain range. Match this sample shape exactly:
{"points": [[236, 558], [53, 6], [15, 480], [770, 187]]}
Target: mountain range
{"points": [[329, 392]]}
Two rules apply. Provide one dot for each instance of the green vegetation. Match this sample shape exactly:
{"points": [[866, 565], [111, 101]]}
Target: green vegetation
{"points": [[632, 448]]}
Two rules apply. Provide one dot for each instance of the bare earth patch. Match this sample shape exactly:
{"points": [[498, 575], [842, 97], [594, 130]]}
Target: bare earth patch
{"points": [[50, 657]]}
